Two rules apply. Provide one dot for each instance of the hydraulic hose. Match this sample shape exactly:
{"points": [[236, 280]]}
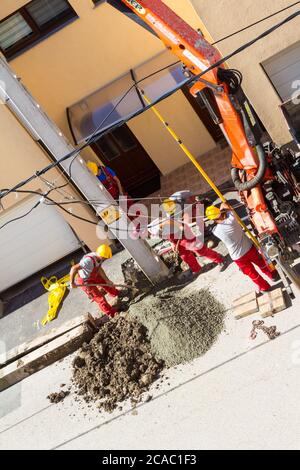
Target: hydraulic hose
{"points": [[247, 185]]}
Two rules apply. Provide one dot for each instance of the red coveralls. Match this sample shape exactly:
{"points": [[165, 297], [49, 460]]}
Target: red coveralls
{"points": [[111, 185], [246, 264], [188, 251], [94, 293]]}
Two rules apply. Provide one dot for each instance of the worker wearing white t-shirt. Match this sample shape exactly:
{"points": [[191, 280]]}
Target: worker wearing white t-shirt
{"points": [[239, 246]]}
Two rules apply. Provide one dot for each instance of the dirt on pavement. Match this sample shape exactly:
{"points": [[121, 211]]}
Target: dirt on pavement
{"points": [[167, 327], [117, 364], [57, 397]]}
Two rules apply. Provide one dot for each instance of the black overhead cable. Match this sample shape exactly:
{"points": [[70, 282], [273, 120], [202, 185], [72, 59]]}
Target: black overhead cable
{"points": [[255, 23], [21, 216], [69, 173], [91, 138], [44, 197], [96, 135]]}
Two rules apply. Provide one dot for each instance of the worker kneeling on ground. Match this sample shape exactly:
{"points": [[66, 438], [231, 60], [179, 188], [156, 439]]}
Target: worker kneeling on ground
{"points": [[184, 242], [89, 271], [239, 246]]}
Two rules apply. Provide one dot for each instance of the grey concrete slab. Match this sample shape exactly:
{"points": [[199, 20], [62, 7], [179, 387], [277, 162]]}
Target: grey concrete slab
{"points": [[242, 394], [24, 324]]}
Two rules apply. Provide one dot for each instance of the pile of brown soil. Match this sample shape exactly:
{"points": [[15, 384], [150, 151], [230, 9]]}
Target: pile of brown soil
{"points": [[116, 364], [182, 325]]}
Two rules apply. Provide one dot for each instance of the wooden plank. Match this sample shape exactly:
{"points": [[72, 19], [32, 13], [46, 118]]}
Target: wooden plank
{"points": [[22, 349], [242, 311], [244, 299], [277, 306], [271, 303], [44, 356]]}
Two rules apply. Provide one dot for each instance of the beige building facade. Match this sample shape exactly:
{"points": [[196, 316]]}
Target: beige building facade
{"points": [[96, 46], [267, 65]]}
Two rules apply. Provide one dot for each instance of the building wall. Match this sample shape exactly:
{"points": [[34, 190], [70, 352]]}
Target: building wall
{"points": [[216, 163], [21, 157], [221, 20], [92, 51]]}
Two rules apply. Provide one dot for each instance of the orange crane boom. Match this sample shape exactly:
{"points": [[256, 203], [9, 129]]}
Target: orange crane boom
{"points": [[197, 54]]}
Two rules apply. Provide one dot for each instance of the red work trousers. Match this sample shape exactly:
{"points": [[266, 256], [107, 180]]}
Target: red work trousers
{"points": [[189, 256], [246, 264], [95, 295]]}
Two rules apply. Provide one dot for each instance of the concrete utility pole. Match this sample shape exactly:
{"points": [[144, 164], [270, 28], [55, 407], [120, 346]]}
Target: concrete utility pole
{"points": [[43, 130]]}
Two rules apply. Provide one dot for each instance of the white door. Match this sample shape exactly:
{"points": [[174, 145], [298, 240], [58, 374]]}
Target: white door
{"points": [[32, 242], [283, 69]]}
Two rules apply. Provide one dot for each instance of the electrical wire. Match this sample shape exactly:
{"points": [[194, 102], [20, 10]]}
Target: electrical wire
{"points": [[95, 132], [158, 100], [22, 216], [233, 85], [68, 174], [255, 23], [44, 197]]}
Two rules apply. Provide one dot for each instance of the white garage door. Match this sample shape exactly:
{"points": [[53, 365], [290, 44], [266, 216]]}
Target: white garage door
{"points": [[33, 242], [283, 69]]}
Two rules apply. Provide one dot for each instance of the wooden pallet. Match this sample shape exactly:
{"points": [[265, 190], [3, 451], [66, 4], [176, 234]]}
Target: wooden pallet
{"points": [[43, 355], [25, 348], [245, 305], [265, 305], [271, 303]]}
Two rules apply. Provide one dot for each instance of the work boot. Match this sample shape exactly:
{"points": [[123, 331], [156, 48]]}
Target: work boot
{"points": [[188, 275], [275, 276], [222, 266]]}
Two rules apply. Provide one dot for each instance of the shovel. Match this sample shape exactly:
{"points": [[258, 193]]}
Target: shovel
{"points": [[132, 288]]}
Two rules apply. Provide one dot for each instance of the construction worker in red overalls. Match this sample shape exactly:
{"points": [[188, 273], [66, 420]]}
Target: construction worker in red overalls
{"points": [[110, 181], [240, 247], [185, 243], [89, 271], [108, 177]]}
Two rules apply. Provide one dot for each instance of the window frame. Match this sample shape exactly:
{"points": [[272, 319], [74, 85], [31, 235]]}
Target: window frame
{"points": [[39, 33]]}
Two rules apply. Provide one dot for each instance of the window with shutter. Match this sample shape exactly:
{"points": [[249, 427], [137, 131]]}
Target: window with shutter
{"points": [[31, 23]]}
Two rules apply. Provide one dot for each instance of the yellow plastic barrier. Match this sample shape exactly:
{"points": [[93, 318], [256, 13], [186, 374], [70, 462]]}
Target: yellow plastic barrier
{"points": [[57, 289]]}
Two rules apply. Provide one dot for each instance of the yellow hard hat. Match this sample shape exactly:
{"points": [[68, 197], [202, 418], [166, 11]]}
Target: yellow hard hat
{"points": [[212, 212], [104, 251], [169, 206], [93, 167]]}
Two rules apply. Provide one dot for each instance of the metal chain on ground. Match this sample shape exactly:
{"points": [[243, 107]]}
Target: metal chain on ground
{"points": [[270, 331]]}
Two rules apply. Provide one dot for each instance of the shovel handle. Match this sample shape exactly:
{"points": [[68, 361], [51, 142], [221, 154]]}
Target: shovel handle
{"points": [[106, 285]]}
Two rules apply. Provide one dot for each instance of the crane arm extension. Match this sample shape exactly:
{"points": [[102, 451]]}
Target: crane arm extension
{"points": [[197, 54]]}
